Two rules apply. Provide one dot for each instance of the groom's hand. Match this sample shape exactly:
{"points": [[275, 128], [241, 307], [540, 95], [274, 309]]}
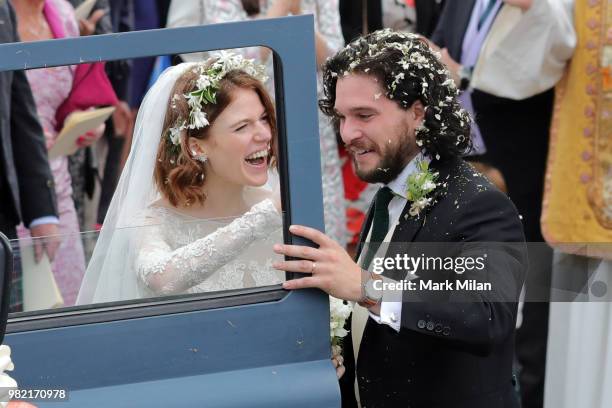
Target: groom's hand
{"points": [[331, 267]]}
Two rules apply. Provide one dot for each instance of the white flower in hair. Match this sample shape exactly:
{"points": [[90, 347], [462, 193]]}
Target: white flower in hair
{"points": [[203, 82], [175, 134], [224, 59], [193, 101], [199, 120]]}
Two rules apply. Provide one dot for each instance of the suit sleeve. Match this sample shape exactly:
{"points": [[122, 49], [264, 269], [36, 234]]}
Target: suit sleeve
{"points": [[438, 36], [490, 225], [36, 188]]}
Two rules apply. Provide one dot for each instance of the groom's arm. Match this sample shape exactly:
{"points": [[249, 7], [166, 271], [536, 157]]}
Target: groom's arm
{"points": [[476, 318]]}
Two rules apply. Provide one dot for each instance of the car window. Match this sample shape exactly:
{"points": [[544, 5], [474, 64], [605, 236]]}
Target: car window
{"points": [[185, 218]]}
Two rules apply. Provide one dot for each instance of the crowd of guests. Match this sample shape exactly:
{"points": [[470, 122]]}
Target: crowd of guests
{"points": [[506, 56]]}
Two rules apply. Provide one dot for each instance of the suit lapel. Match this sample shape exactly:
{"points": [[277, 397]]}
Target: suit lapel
{"points": [[409, 226]]}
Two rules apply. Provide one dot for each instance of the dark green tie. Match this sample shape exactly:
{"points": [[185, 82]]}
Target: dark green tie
{"points": [[380, 224]]}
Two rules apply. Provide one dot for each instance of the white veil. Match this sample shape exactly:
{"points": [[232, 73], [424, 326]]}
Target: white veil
{"points": [[110, 276]]}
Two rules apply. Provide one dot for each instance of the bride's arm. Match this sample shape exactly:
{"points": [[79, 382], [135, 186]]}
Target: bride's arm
{"points": [[167, 271]]}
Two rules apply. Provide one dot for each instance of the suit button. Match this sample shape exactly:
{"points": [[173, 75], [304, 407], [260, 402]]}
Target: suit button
{"points": [[446, 331], [430, 326], [438, 328], [421, 324], [50, 183]]}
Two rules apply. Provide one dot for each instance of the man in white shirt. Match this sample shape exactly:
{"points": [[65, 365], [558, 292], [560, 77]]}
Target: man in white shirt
{"points": [[397, 112]]}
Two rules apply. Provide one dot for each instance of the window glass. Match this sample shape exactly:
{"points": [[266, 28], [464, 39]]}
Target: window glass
{"points": [[181, 169]]}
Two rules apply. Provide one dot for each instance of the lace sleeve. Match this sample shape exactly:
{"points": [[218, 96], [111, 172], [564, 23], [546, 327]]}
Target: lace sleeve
{"points": [[166, 271]]}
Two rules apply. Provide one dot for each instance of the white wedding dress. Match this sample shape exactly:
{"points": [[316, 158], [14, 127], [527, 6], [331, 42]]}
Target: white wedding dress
{"points": [[147, 250], [181, 254]]}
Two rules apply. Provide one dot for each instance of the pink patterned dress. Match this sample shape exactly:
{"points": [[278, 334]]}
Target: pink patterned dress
{"points": [[50, 87]]}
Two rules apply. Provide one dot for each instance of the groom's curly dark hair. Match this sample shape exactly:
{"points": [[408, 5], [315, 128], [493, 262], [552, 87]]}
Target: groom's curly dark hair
{"points": [[408, 70]]}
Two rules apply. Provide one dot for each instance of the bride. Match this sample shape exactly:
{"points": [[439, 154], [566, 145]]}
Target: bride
{"points": [[204, 142]]}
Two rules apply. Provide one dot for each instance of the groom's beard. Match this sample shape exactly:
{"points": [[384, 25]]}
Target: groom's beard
{"points": [[394, 158]]}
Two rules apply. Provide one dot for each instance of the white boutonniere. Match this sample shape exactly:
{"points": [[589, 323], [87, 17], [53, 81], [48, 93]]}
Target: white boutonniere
{"points": [[419, 186], [339, 311]]}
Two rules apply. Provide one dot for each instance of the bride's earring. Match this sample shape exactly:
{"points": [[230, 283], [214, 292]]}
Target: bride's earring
{"points": [[202, 158]]}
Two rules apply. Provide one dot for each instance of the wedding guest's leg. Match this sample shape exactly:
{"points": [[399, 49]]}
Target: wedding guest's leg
{"points": [[69, 263], [76, 167], [111, 170]]}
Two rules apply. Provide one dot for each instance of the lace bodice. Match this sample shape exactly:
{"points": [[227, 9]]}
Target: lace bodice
{"points": [[181, 254]]}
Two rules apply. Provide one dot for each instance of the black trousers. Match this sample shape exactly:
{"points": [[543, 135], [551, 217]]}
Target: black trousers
{"points": [[112, 170], [516, 134]]}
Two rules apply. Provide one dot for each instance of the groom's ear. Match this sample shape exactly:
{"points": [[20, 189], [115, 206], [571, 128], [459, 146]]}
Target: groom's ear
{"points": [[417, 111]]}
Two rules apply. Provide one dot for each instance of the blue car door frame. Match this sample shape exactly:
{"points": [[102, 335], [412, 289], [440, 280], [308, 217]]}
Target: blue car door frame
{"points": [[260, 347]]}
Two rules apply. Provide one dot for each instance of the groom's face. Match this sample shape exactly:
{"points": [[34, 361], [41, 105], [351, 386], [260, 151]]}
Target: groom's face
{"points": [[378, 134]]}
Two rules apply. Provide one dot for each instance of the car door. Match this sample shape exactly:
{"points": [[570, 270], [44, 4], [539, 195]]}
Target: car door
{"points": [[255, 347]]}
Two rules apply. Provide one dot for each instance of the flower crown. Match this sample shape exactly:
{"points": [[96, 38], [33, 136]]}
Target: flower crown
{"points": [[207, 86]]}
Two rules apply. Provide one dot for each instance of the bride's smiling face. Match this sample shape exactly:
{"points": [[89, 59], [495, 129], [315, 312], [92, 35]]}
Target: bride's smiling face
{"points": [[238, 142]]}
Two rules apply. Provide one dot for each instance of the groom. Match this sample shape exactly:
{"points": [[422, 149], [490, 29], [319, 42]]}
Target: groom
{"points": [[398, 115]]}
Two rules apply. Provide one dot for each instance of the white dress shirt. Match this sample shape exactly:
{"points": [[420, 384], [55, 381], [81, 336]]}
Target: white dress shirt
{"points": [[391, 312], [526, 53], [48, 219]]}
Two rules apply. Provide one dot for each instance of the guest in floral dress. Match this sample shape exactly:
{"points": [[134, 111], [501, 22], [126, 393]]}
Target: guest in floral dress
{"points": [[43, 20], [328, 40]]}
